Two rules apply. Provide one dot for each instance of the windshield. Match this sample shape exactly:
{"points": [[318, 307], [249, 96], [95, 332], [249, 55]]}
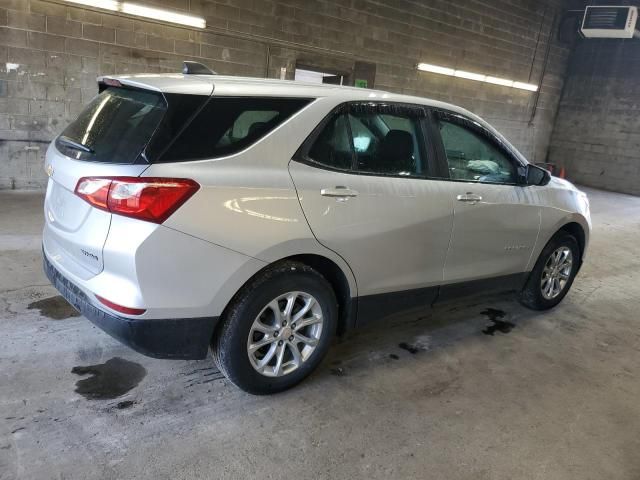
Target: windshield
{"points": [[115, 127]]}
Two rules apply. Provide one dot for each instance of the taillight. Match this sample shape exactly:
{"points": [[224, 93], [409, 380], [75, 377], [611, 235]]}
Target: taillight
{"points": [[144, 198], [120, 308], [95, 191]]}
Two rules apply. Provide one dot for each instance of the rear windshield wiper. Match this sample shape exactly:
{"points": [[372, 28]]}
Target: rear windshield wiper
{"points": [[75, 145]]}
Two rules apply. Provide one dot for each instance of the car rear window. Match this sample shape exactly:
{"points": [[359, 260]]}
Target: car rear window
{"points": [[115, 127], [226, 125]]}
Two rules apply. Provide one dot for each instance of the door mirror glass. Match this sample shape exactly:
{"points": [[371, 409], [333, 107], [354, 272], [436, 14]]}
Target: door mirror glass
{"points": [[537, 175]]}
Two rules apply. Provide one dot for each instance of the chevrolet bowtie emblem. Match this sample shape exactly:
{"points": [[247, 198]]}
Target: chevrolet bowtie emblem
{"points": [[49, 170]]}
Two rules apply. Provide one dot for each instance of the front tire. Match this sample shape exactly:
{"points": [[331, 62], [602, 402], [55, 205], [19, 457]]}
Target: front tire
{"points": [[276, 329], [553, 274]]}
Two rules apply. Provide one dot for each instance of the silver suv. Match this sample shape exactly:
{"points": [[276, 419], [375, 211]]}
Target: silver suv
{"points": [[260, 217]]}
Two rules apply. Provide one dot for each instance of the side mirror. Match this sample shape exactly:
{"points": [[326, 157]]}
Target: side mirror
{"points": [[537, 176]]}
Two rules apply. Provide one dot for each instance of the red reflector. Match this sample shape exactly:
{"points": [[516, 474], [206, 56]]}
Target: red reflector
{"points": [[144, 198], [120, 308]]}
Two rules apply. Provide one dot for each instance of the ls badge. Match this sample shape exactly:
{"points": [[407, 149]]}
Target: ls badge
{"points": [[49, 170]]}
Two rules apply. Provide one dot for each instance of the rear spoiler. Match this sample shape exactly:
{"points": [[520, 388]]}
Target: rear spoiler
{"points": [[105, 82], [195, 78]]}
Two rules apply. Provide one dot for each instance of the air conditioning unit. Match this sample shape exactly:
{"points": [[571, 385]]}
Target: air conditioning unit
{"points": [[610, 22]]}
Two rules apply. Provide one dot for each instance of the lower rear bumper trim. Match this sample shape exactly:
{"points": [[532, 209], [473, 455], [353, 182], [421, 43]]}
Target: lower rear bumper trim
{"points": [[174, 338]]}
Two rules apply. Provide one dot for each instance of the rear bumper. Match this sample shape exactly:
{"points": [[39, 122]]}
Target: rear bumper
{"points": [[175, 338]]}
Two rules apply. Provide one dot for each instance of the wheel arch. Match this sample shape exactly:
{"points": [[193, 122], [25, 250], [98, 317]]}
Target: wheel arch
{"points": [[556, 220], [574, 227], [530, 294], [338, 281], [342, 282], [577, 231]]}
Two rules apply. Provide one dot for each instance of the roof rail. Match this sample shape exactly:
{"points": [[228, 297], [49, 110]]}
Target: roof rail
{"points": [[195, 68]]}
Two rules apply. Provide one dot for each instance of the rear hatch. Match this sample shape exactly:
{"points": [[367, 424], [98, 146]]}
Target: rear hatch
{"points": [[112, 137]]}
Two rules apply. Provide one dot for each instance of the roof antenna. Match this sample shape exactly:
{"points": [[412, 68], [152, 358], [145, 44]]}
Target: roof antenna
{"points": [[195, 68]]}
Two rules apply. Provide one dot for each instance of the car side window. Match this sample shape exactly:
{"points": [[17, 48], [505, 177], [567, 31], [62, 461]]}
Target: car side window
{"points": [[372, 139], [248, 123], [472, 158], [386, 143], [332, 148], [226, 125]]}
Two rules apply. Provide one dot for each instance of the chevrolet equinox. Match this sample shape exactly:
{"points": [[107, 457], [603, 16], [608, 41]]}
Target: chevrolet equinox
{"points": [[261, 217]]}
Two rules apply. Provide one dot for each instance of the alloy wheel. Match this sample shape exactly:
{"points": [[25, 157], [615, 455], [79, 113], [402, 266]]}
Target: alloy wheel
{"points": [[285, 334], [556, 273]]}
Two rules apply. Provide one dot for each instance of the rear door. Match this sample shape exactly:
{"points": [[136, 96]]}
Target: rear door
{"points": [[363, 182], [107, 139], [495, 224]]}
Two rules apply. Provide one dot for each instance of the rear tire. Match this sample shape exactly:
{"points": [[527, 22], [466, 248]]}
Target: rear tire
{"points": [[553, 274], [277, 329]]}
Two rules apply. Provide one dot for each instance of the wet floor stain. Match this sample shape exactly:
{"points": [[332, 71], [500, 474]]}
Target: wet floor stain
{"points": [[108, 380], [56, 308], [498, 325], [393, 356], [338, 372], [125, 404]]}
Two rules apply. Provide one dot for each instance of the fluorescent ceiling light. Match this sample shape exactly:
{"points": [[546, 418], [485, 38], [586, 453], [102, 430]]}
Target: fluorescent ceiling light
{"points": [[145, 12], [478, 77], [106, 4], [435, 69], [470, 76], [164, 15], [525, 86], [499, 81]]}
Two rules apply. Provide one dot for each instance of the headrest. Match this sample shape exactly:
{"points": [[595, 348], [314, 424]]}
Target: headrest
{"points": [[397, 144]]}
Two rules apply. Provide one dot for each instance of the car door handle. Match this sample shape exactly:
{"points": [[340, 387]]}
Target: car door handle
{"points": [[469, 197], [339, 192]]}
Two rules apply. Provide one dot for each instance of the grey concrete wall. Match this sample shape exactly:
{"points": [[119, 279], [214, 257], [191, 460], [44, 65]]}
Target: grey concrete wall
{"points": [[51, 52], [597, 134]]}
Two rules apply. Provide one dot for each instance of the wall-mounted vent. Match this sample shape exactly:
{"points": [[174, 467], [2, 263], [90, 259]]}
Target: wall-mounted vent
{"points": [[610, 22]]}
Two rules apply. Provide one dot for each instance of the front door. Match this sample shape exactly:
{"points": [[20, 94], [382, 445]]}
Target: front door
{"points": [[363, 184], [495, 224]]}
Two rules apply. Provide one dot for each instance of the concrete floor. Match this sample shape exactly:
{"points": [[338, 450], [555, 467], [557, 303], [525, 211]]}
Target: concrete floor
{"points": [[556, 397]]}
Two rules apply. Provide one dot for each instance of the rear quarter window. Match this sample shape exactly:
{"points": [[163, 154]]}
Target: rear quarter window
{"points": [[227, 125]]}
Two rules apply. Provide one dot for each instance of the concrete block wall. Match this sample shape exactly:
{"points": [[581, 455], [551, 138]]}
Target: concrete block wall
{"points": [[597, 133], [52, 51]]}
